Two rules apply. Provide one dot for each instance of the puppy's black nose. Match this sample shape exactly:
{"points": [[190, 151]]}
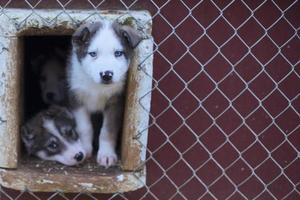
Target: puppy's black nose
{"points": [[106, 76], [50, 96], [78, 156]]}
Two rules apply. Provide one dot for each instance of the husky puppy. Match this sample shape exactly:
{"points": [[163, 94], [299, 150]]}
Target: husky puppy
{"points": [[97, 72], [51, 70], [51, 135]]}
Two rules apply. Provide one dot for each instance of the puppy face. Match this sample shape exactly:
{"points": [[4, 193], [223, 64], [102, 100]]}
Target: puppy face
{"points": [[51, 135], [53, 82], [50, 69], [104, 50]]}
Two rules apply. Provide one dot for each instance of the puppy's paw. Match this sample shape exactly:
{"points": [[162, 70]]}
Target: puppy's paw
{"points": [[106, 158]]}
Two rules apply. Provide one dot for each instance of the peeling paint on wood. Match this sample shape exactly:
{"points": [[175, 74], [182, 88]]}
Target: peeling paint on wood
{"points": [[137, 108], [136, 119], [97, 180], [10, 106]]}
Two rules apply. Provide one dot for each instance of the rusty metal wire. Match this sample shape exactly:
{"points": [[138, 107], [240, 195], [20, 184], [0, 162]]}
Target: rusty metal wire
{"points": [[246, 175]]}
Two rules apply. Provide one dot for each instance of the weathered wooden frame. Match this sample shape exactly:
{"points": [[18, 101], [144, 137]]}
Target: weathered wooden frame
{"points": [[16, 23]]}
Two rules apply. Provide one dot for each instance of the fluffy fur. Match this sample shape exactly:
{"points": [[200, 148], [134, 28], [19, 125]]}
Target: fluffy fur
{"points": [[97, 72], [51, 135], [51, 71]]}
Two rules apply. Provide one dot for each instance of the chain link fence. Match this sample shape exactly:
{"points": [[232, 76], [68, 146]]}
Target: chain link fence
{"points": [[225, 111]]}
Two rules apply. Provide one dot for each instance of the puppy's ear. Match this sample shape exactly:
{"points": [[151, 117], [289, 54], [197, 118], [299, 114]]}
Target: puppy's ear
{"points": [[62, 116], [64, 121], [51, 112], [81, 36], [54, 111], [28, 137], [128, 34], [84, 33], [66, 113]]}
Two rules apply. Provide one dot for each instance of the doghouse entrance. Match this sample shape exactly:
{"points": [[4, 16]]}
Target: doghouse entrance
{"points": [[23, 99], [37, 51]]}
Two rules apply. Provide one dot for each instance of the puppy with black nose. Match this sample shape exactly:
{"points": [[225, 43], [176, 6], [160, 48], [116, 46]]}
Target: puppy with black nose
{"points": [[51, 70], [101, 53], [51, 135]]}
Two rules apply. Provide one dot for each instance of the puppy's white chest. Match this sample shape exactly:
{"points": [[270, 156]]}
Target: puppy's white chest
{"points": [[95, 102], [96, 98]]}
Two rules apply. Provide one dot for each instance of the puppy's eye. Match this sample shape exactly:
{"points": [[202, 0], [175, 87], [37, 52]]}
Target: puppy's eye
{"points": [[119, 53], [52, 146], [93, 54]]}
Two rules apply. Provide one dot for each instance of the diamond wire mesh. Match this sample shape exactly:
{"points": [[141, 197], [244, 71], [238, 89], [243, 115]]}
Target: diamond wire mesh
{"points": [[224, 120]]}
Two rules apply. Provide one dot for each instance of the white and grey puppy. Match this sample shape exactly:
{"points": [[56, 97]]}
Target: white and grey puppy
{"points": [[51, 135], [99, 63], [51, 70]]}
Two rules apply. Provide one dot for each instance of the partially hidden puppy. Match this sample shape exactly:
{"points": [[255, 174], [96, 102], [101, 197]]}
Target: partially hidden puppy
{"points": [[51, 135], [51, 71], [99, 62]]}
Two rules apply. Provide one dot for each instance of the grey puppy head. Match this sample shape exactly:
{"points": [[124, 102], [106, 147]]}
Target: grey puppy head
{"points": [[84, 35], [104, 49], [50, 70], [51, 135]]}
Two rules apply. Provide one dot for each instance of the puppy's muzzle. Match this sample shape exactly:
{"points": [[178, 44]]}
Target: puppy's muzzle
{"points": [[106, 77], [79, 157]]}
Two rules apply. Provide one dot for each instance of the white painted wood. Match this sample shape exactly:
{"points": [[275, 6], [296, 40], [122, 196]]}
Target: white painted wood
{"points": [[18, 22], [9, 101]]}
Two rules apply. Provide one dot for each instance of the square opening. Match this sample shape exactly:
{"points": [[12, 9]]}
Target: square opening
{"points": [[24, 100], [38, 49]]}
